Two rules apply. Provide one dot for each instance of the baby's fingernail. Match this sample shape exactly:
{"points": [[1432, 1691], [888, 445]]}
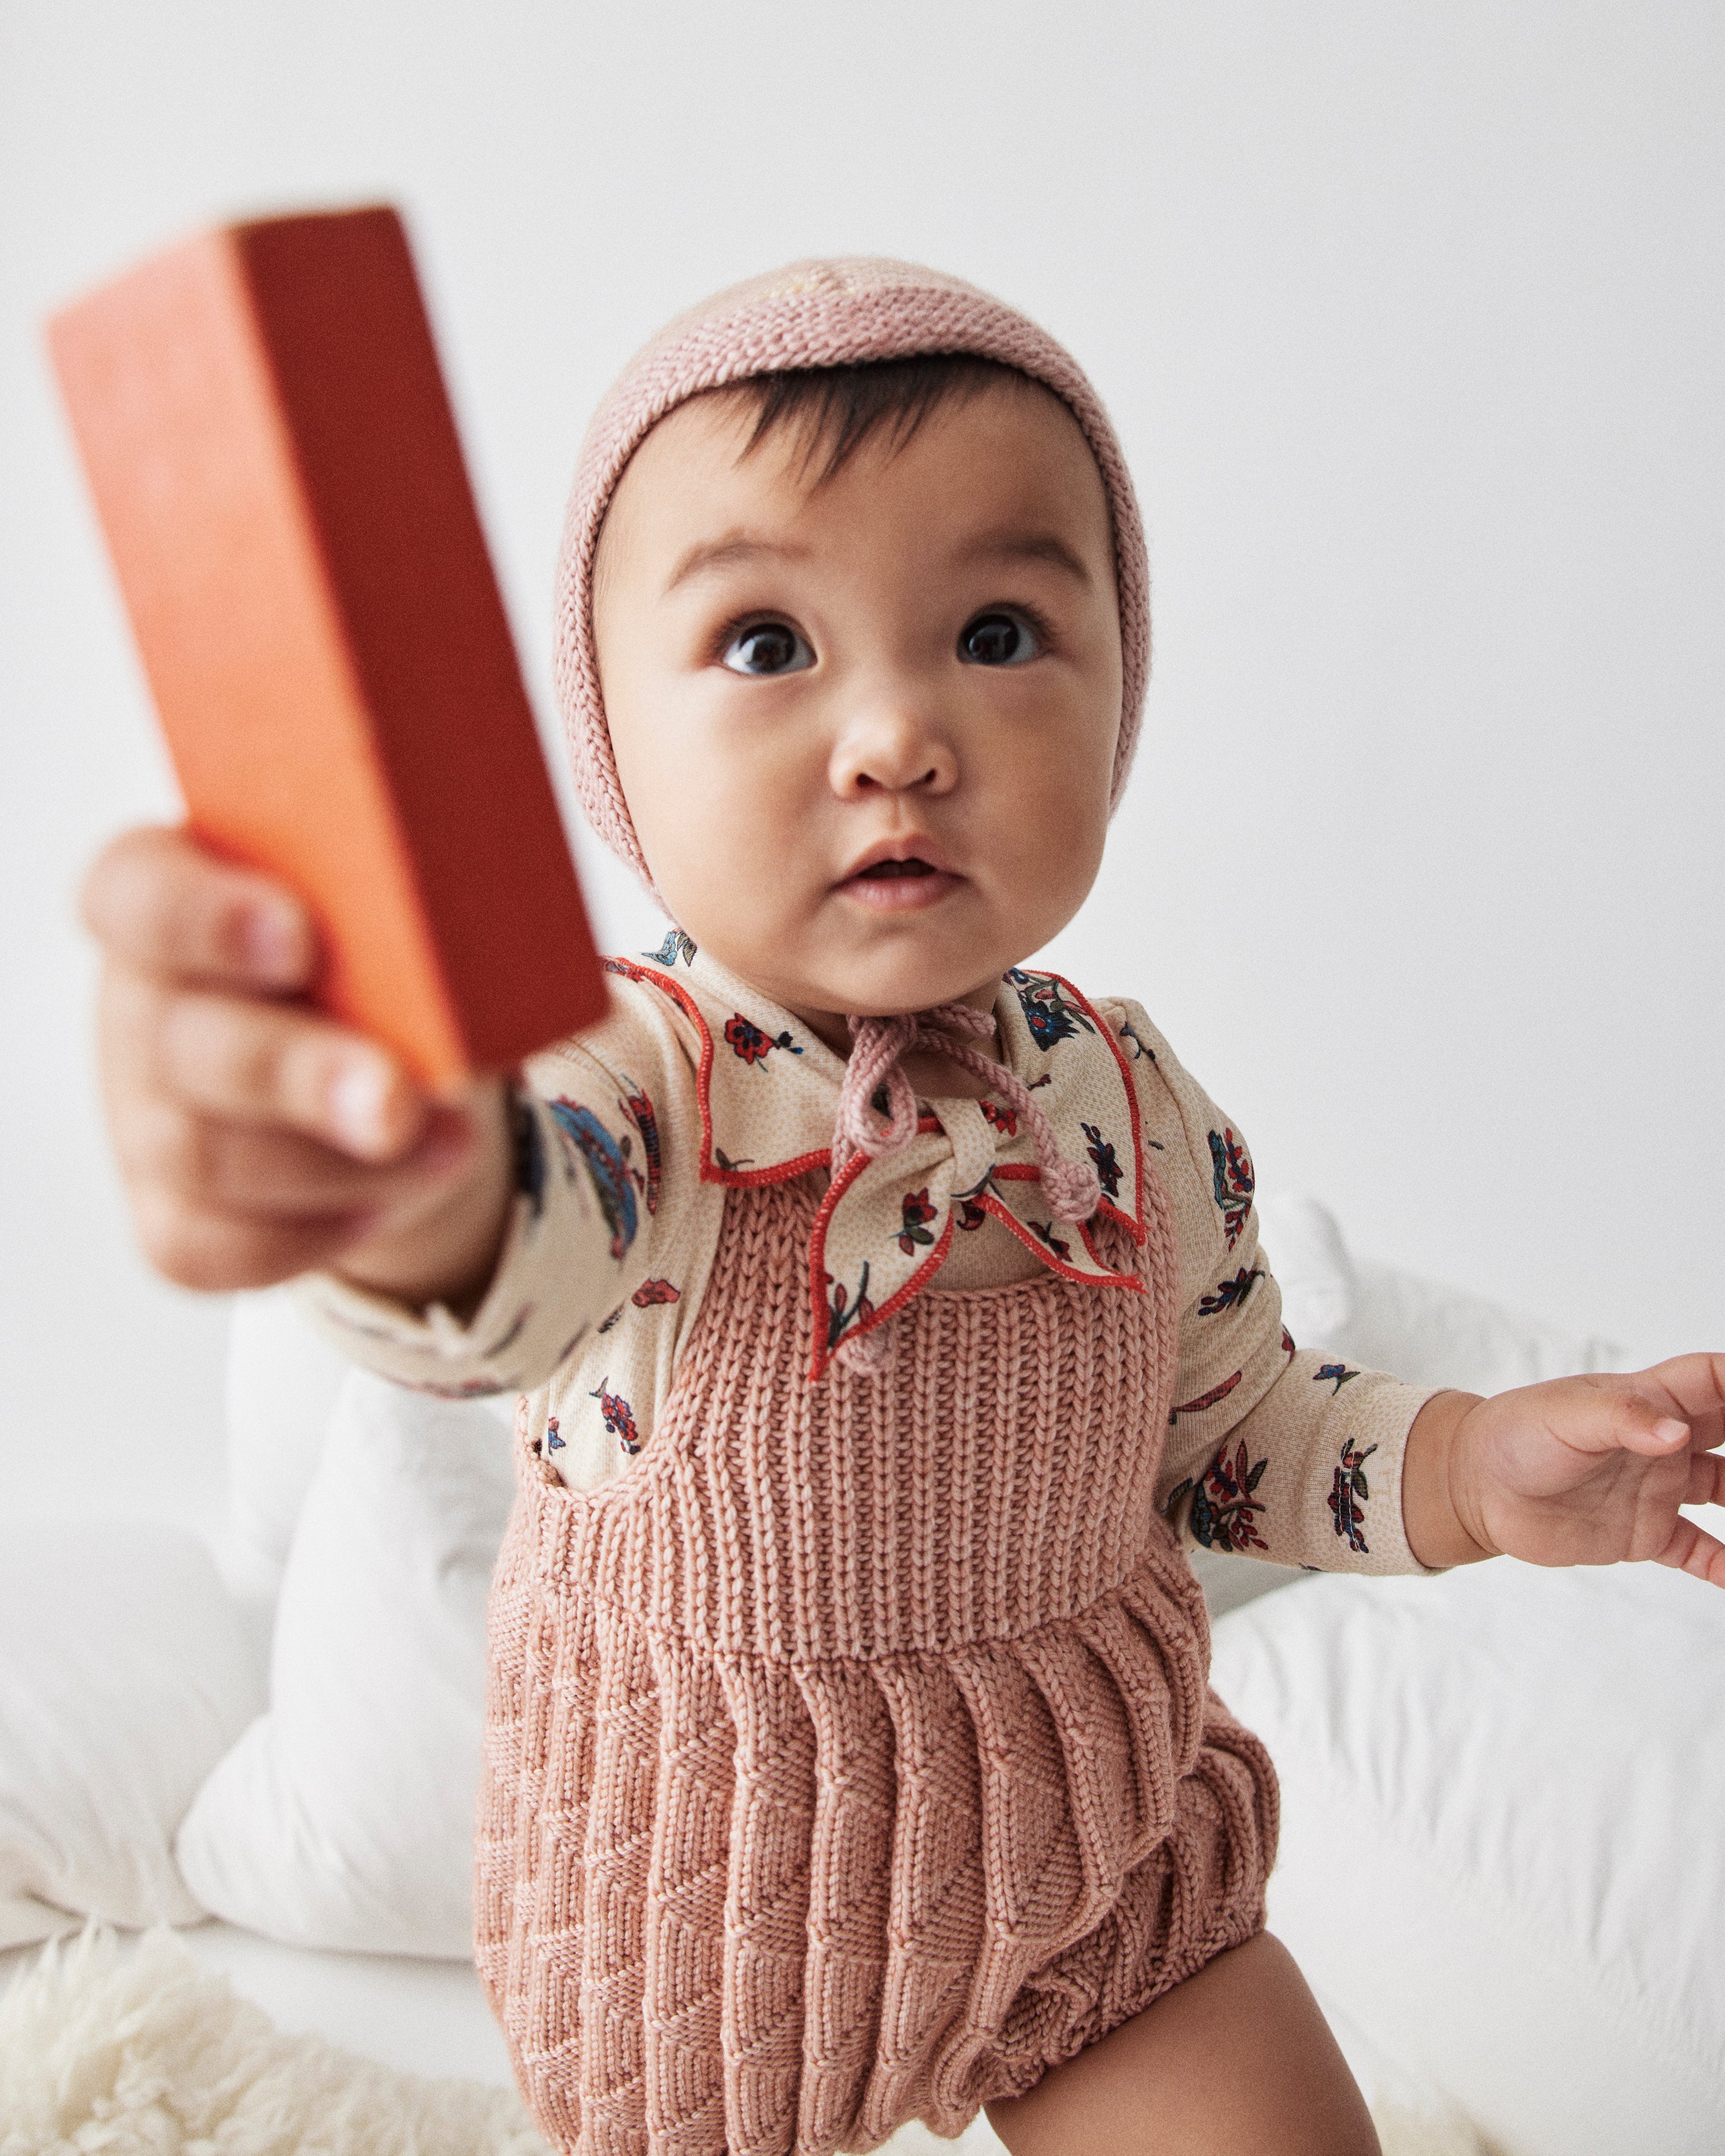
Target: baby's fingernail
{"points": [[1669, 1431], [270, 938], [357, 1100]]}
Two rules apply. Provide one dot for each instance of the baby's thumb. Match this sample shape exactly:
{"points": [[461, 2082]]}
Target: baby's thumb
{"points": [[1633, 1424]]}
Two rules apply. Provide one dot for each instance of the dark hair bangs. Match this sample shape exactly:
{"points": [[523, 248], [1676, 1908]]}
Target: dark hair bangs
{"points": [[836, 409]]}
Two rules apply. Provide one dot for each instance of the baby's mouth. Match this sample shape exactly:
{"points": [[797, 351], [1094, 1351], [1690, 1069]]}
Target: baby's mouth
{"points": [[885, 871], [900, 887]]}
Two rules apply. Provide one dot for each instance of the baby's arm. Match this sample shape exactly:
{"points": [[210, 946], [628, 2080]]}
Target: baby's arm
{"points": [[1303, 1458], [1286, 1454], [257, 1138], [465, 1246], [1306, 1459], [592, 1130], [1272, 1451]]}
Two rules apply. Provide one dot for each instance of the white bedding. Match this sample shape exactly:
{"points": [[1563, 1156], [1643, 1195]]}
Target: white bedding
{"points": [[125, 1673]]}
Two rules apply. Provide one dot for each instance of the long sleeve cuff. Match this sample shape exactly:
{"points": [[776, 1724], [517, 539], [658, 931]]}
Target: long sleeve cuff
{"points": [[1312, 1476], [558, 1274]]}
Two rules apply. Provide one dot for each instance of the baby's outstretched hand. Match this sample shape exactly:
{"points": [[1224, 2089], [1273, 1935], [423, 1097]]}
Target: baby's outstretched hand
{"points": [[1592, 1470], [258, 1139]]}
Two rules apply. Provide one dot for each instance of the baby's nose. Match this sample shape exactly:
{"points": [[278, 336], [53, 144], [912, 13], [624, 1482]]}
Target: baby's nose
{"points": [[893, 748]]}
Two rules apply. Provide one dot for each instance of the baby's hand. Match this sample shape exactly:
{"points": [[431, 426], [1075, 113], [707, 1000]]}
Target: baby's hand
{"points": [[1592, 1470], [258, 1139]]}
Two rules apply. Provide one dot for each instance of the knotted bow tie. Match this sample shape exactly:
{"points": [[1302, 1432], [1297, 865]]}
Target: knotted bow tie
{"points": [[1072, 1188], [1048, 1157]]}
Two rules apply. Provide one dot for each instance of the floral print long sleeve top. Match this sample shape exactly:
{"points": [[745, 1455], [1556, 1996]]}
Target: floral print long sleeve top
{"points": [[627, 1139]]}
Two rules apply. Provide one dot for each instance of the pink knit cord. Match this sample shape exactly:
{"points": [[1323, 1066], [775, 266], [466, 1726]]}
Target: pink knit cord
{"points": [[877, 1045], [1072, 1188]]}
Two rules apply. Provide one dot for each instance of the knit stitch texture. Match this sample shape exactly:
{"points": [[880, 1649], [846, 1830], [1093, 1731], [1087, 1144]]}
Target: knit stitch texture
{"points": [[852, 1760]]}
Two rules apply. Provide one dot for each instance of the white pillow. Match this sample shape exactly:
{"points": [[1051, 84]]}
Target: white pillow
{"points": [[344, 1817], [1501, 1855], [283, 1379], [1396, 1321], [124, 1677]]}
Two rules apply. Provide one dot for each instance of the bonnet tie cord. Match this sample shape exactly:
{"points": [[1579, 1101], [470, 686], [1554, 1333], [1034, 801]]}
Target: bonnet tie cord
{"points": [[1072, 1188]]}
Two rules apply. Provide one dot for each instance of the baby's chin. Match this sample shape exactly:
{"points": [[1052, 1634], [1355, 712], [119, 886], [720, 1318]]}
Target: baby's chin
{"points": [[838, 958], [875, 984]]}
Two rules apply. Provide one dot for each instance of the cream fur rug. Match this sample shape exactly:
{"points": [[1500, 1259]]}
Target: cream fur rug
{"points": [[109, 2052], [104, 2052]]}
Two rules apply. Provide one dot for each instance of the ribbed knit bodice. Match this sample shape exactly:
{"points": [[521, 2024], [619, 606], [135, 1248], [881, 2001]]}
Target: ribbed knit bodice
{"points": [[959, 1495], [851, 1758]]}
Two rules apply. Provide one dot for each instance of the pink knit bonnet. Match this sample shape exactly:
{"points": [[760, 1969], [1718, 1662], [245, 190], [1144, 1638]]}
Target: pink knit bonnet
{"points": [[813, 314]]}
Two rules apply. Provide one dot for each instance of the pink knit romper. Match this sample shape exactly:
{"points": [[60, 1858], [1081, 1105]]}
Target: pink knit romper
{"points": [[851, 1759]]}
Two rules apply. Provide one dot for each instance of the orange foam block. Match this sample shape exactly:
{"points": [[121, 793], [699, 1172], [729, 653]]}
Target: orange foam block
{"points": [[275, 462]]}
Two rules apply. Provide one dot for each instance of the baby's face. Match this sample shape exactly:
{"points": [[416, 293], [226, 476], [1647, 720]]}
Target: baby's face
{"points": [[865, 726]]}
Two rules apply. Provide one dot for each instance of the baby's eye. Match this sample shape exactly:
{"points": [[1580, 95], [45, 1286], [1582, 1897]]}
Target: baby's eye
{"points": [[767, 647], [998, 639]]}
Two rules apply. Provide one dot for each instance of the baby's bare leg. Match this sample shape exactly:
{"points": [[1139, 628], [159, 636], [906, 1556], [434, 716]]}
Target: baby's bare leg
{"points": [[1238, 2060]]}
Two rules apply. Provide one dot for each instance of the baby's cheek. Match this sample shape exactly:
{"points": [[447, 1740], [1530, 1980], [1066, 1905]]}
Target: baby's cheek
{"points": [[730, 839], [1051, 805]]}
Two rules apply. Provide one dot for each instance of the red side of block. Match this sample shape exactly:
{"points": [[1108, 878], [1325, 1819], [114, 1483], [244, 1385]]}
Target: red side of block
{"points": [[276, 466]]}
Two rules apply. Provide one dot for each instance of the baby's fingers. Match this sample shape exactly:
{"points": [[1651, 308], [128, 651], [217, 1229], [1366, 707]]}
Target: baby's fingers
{"points": [[221, 1253], [250, 1062], [159, 902], [1691, 1386], [256, 1172], [1706, 1480], [1653, 1412], [1693, 1550], [1602, 1414]]}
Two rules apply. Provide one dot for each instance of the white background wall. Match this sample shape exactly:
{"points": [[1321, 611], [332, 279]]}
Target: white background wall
{"points": [[1410, 317]]}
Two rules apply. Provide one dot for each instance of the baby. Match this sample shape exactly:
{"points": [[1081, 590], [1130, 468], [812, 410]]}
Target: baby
{"points": [[890, 1317]]}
